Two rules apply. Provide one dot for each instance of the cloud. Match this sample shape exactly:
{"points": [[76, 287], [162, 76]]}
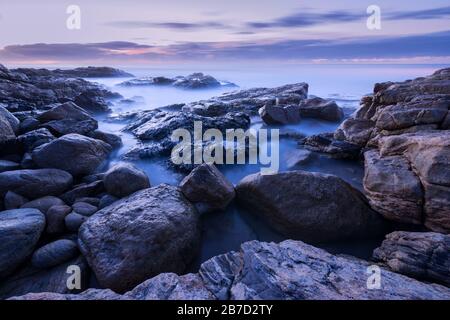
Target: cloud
{"points": [[427, 45], [167, 25], [436, 13]]}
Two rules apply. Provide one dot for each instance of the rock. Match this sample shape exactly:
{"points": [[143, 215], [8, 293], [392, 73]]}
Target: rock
{"points": [[20, 230], [356, 131], [54, 254], [73, 221], [83, 190], [392, 188], [10, 118], [110, 138], [68, 118], [207, 188], [157, 228], [6, 131], [421, 255], [29, 124], [106, 200], [169, 286], [56, 219], [6, 165], [276, 114], [309, 206], [74, 153], [14, 200], [319, 108], [35, 138], [290, 270], [35, 183], [124, 179], [90, 101], [336, 149], [35, 280], [83, 208], [192, 81], [298, 157], [90, 200], [43, 204], [428, 153]]}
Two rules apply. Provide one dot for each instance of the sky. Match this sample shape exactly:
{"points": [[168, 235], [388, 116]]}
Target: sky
{"points": [[135, 32]]}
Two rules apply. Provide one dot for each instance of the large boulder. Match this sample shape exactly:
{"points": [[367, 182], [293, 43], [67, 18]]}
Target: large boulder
{"points": [[152, 231], [319, 108], [309, 206], [73, 153], [68, 118], [279, 114], [20, 230], [207, 188], [123, 179], [35, 183], [422, 255]]}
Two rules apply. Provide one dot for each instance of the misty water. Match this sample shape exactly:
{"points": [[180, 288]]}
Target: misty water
{"points": [[346, 84]]}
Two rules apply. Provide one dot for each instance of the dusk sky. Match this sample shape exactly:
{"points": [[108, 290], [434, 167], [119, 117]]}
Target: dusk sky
{"points": [[159, 31]]}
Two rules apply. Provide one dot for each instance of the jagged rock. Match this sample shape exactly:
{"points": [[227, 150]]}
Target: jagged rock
{"points": [[54, 254], [319, 108], [291, 270], [422, 255], [392, 188], [44, 203], [20, 230], [356, 131], [35, 183], [279, 114], [309, 206], [207, 188], [157, 228], [124, 178], [73, 153], [325, 143], [34, 280], [68, 118]]}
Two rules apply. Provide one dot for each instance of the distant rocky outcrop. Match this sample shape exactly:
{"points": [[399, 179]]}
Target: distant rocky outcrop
{"points": [[82, 72], [192, 81]]}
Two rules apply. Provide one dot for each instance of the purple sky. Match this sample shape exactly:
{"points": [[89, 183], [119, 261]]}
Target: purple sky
{"points": [[128, 32]]}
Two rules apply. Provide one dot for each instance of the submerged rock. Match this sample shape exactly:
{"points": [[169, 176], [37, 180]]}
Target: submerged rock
{"points": [[20, 230], [157, 228], [309, 206], [207, 188], [73, 153], [421, 255]]}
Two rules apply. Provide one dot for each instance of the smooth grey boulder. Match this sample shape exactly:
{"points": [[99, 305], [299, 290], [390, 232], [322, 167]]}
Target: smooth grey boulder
{"points": [[152, 231], [10, 118], [14, 201], [319, 108], [73, 221], [20, 230], [207, 188], [74, 153], [309, 206], [54, 253], [124, 178], [279, 114], [44, 203], [35, 183], [83, 208], [56, 216], [83, 190], [6, 131], [421, 255]]}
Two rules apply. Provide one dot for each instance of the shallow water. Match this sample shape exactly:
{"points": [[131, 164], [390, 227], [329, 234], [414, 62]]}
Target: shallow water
{"points": [[223, 232]]}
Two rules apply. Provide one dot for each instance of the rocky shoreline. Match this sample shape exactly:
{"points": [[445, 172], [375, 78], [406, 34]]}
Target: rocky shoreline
{"points": [[62, 205]]}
